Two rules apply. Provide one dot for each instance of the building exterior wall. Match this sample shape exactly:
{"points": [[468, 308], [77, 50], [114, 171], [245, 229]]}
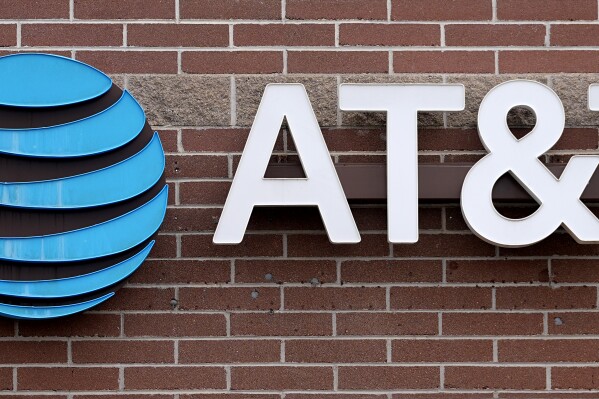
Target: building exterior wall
{"points": [[286, 314]]}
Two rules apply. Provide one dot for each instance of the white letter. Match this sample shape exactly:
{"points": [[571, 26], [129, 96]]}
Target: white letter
{"points": [[402, 103], [321, 187], [559, 199]]}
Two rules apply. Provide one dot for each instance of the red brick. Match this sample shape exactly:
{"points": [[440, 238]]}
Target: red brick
{"points": [[228, 395], [556, 244], [574, 35], [34, 9], [391, 271], [125, 9], [225, 9], [183, 272], [313, 245], [465, 377], [546, 10], [574, 377], [497, 271], [546, 298], [549, 395], [548, 351], [445, 245], [174, 378], [204, 193], [333, 298], [253, 245], [574, 323], [440, 298], [575, 270], [131, 61], [495, 35], [577, 139], [336, 9], [335, 351], [390, 35], [281, 378], [7, 327], [13, 352], [64, 35], [191, 219], [68, 378], [444, 395], [6, 374], [237, 298], [8, 35], [338, 62], [214, 140], [547, 61], [285, 271], [342, 139], [232, 62], [439, 351], [168, 138], [121, 396], [444, 62], [485, 324], [441, 10], [140, 299], [123, 351], [165, 247], [281, 324], [177, 35], [333, 396], [196, 166], [388, 377], [174, 325], [374, 323], [229, 351], [284, 35], [81, 325]]}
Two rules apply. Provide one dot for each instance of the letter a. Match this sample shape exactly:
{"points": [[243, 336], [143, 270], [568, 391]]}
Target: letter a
{"points": [[320, 188]]}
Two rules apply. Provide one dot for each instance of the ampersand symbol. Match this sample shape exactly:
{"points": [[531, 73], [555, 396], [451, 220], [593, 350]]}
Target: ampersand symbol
{"points": [[559, 198]]}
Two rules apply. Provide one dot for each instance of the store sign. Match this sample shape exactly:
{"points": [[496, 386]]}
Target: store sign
{"points": [[559, 198], [82, 190]]}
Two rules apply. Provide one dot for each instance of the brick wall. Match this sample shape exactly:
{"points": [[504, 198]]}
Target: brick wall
{"points": [[286, 314]]}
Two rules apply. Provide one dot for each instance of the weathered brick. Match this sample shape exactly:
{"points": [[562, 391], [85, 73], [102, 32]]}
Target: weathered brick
{"points": [[229, 351], [441, 10], [225, 9], [124, 9], [177, 35], [470, 377], [281, 377], [177, 377], [335, 351], [284, 35], [335, 9], [389, 35], [174, 325], [388, 377], [546, 10], [434, 351], [281, 324], [68, 378], [378, 323], [440, 298], [485, 324]]}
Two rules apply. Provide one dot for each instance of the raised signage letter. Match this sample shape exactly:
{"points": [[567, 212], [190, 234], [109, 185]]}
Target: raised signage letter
{"points": [[321, 187], [402, 103], [559, 199]]}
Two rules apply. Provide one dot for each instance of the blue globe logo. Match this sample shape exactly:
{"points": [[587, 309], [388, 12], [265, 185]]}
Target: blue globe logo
{"points": [[82, 189]]}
